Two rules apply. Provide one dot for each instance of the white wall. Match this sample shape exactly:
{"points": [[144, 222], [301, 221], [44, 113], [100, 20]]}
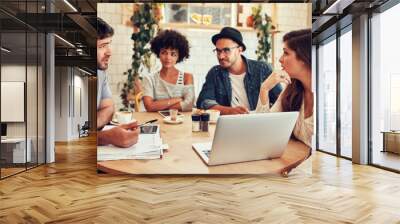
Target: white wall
{"points": [[69, 82], [80, 104], [61, 103], [12, 73]]}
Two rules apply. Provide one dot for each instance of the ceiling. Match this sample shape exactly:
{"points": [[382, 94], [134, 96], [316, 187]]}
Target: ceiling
{"points": [[22, 20], [20, 16], [328, 16]]}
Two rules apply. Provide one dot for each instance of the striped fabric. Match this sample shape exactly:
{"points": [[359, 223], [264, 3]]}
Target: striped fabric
{"points": [[159, 89]]}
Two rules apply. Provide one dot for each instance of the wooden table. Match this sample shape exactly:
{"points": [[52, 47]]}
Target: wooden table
{"points": [[182, 159]]}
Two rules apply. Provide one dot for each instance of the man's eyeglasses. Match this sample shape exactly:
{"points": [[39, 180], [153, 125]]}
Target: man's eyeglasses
{"points": [[225, 50]]}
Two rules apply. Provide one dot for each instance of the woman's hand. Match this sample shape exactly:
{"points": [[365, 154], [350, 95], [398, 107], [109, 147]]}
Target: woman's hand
{"points": [[275, 78]]}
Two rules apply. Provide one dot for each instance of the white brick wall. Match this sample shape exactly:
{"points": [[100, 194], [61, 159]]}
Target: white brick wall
{"points": [[289, 17]]}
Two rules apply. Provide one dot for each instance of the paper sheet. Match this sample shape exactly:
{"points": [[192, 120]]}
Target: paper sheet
{"points": [[149, 146]]}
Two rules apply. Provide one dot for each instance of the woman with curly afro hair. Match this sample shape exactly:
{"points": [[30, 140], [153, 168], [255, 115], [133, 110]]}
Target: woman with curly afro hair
{"points": [[169, 88]]}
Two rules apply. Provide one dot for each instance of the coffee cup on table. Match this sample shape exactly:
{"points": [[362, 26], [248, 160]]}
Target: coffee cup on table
{"points": [[214, 115], [124, 117], [173, 113]]}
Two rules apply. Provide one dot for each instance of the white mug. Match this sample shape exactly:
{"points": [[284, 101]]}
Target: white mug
{"points": [[124, 117]]}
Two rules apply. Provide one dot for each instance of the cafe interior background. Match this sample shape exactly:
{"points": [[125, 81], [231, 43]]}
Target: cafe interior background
{"points": [[187, 19], [198, 22]]}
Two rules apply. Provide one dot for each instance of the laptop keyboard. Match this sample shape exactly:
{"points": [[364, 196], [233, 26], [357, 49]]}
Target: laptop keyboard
{"points": [[207, 153]]}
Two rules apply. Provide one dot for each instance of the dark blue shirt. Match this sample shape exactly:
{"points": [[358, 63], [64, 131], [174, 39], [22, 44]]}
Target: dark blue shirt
{"points": [[217, 89]]}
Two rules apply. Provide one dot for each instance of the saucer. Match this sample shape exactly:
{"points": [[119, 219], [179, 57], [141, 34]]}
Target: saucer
{"points": [[117, 123], [168, 120], [113, 122]]}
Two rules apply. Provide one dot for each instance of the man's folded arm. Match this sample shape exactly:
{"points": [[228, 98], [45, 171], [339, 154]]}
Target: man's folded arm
{"points": [[206, 97]]}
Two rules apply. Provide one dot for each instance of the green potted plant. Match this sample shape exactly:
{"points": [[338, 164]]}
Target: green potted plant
{"points": [[264, 28], [145, 19]]}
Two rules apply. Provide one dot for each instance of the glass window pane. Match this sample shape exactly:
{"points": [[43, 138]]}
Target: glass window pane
{"points": [[22, 80], [346, 94], [13, 83], [385, 84], [327, 97]]}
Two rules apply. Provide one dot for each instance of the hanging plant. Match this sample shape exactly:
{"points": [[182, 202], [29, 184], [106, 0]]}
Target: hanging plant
{"points": [[145, 21], [263, 26]]}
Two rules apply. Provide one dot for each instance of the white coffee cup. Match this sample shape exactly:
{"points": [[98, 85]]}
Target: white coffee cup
{"points": [[214, 115], [124, 117]]}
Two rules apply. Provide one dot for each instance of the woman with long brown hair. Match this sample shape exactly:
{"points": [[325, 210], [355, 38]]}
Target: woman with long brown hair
{"points": [[296, 74]]}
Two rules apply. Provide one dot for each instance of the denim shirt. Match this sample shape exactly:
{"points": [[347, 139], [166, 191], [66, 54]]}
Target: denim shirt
{"points": [[217, 89]]}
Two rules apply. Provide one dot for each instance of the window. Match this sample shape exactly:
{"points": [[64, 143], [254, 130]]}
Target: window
{"points": [[22, 67], [385, 87], [346, 94], [394, 119], [327, 97]]}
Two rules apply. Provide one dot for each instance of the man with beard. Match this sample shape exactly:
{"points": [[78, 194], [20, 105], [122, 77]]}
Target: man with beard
{"points": [[123, 135], [233, 86]]}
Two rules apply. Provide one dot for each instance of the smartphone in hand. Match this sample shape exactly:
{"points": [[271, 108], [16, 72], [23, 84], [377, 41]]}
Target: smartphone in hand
{"points": [[148, 129]]}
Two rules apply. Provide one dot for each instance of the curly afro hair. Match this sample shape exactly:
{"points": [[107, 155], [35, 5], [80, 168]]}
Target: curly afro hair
{"points": [[171, 39]]}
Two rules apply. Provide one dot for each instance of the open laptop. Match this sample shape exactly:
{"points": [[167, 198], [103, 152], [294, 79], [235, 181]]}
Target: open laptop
{"points": [[240, 138]]}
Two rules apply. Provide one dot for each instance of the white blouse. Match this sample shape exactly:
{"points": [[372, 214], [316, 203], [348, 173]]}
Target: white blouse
{"points": [[304, 128]]}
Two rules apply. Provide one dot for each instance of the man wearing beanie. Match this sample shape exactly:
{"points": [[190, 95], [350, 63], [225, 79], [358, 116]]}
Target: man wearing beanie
{"points": [[233, 86]]}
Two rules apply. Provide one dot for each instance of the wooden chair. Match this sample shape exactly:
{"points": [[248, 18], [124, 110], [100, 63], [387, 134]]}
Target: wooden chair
{"points": [[83, 130], [138, 100]]}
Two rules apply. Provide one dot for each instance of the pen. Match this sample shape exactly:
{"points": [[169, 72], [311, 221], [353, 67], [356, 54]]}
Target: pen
{"points": [[237, 100], [148, 122]]}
